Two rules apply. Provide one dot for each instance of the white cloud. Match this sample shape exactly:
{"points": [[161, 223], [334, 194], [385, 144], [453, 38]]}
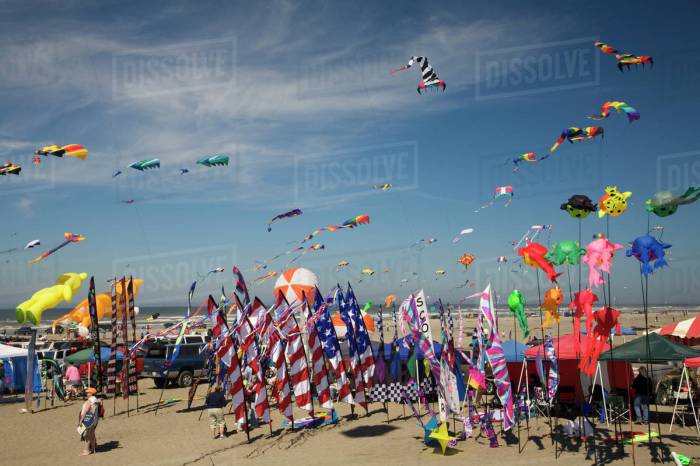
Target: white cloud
{"points": [[291, 95]]}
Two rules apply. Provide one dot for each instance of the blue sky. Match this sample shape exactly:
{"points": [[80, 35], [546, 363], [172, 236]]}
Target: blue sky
{"points": [[299, 95]]}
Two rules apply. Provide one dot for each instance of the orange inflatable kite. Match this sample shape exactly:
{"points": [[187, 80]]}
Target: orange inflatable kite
{"points": [[81, 313]]}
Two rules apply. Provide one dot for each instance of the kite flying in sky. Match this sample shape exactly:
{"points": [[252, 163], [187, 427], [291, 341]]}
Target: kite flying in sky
{"points": [[350, 223], [265, 277], [145, 164], [574, 134], [632, 114], [382, 187], [422, 243], [290, 214], [430, 77], [71, 150], [529, 157], [10, 169], [466, 231], [313, 247], [466, 260], [32, 243], [501, 191], [213, 160], [70, 238], [625, 60]]}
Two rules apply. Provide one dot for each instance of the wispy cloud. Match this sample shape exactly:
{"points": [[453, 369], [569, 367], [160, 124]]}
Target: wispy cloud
{"points": [[303, 97]]}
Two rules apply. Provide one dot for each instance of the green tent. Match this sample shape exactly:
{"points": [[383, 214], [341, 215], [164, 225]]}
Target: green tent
{"points": [[88, 355], [661, 350]]}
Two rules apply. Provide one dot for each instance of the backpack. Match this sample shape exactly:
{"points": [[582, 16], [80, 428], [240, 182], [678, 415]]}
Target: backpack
{"points": [[101, 410]]}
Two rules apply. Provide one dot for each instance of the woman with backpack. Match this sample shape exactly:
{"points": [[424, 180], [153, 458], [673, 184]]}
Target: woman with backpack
{"points": [[90, 414]]}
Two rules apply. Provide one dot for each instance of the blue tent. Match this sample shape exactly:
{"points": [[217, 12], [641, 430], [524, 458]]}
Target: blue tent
{"points": [[404, 352], [16, 374], [514, 351]]}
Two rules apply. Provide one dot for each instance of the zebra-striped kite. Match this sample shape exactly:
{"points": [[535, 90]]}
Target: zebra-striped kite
{"points": [[430, 77]]}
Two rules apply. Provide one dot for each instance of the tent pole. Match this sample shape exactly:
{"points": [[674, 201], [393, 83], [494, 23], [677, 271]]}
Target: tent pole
{"points": [[678, 394], [517, 394]]}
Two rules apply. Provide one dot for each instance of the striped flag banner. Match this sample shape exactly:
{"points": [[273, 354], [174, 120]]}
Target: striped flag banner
{"points": [[112, 366], [228, 355], [281, 389], [298, 368], [249, 346], [133, 378], [125, 338], [318, 362]]}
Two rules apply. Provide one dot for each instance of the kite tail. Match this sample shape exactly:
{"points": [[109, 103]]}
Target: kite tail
{"points": [[397, 70], [556, 144]]}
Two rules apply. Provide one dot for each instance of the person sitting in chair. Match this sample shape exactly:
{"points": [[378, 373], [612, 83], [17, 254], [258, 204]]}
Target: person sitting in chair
{"points": [[642, 393]]}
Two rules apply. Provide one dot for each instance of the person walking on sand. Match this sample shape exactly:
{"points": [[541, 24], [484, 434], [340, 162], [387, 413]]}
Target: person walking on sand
{"points": [[215, 407], [90, 414]]}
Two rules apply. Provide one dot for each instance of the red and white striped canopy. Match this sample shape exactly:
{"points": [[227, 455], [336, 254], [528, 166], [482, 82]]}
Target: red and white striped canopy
{"points": [[685, 330]]}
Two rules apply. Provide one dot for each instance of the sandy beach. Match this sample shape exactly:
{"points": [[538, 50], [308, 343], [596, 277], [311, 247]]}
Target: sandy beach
{"points": [[179, 436]]}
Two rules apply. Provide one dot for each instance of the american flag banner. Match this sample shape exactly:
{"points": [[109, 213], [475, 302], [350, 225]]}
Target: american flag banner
{"points": [[112, 366], [228, 355], [133, 379], [122, 305], [298, 369], [360, 397], [364, 345], [249, 346], [281, 388], [331, 347], [318, 362]]}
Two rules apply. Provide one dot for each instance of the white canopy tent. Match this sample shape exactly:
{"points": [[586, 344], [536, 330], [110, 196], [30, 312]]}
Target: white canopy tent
{"points": [[7, 351]]}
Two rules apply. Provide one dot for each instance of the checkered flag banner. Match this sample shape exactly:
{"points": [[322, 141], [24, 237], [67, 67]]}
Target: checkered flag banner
{"points": [[394, 392]]}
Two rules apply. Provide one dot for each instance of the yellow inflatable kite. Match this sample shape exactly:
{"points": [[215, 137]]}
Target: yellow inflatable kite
{"points": [[81, 313], [50, 297]]}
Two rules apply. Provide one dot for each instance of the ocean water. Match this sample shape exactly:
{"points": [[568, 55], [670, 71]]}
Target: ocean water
{"points": [[171, 313], [167, 313]]}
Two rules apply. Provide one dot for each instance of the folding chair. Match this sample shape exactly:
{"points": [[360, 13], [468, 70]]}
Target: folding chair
{"points": [[618, 410], [540, 406]]}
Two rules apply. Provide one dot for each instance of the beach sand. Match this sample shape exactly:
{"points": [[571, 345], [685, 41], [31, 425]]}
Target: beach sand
{"points": [[177, 436]]}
